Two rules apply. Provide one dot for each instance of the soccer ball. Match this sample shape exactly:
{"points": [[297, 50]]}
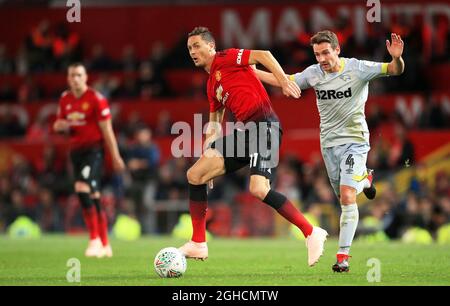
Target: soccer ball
{"points": [[170, 262]]}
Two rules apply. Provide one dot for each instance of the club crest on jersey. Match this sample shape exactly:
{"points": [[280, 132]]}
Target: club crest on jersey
{"points": [[85, 106], [333, 94], [218, 75], [345, 77]]}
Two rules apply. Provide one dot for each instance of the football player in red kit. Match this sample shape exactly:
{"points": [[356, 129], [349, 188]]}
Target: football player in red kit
{"points": [[84, 114], [233, 85]]}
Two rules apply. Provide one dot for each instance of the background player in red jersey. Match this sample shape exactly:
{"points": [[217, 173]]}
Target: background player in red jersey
{"points": [[232, 84], [85, 115]]}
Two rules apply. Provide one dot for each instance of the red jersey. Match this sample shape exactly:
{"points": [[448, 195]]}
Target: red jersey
{"points": [[233, 83], [84, 114]]}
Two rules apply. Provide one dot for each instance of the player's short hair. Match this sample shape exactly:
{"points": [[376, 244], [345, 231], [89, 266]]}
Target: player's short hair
{"points": [[75, 65], [204, 32], [325, 36]]}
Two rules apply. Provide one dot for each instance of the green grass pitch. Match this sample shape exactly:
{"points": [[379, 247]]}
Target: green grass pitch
{"points": [[259, 262]]}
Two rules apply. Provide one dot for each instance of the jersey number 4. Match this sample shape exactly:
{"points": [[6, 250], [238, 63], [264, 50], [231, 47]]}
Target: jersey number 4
{"points": [[350, 161]]}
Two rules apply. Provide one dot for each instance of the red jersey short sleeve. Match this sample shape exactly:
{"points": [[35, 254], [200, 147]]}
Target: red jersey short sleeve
{"points": [[61, 114], [83, 114], [103, 110], [238, 57], [233, 83]]}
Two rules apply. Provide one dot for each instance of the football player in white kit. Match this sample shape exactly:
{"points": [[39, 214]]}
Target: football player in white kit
{"points": [[341, 86]]}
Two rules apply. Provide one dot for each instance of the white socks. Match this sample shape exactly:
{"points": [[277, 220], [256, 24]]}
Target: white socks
{"points": [[348, 224]]}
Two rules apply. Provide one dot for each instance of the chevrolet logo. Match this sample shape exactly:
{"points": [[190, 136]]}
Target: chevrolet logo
{"points": [[76, 116]]}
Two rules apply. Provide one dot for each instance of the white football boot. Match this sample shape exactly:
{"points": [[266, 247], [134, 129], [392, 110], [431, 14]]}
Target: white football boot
{"points": [[315, 244], [107, 251], [94, 249], [196, 250]]}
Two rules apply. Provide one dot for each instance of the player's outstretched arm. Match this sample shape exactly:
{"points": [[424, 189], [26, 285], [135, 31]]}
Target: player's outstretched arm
{"points": [[111, 143], [290, 88], [266, 77], [395, 49]]}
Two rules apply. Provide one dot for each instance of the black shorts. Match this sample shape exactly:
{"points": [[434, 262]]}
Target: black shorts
{"points": [[88, 166], [256, 147]]}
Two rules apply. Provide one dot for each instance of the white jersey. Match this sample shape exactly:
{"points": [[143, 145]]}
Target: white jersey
{"points": [[341, 97]]}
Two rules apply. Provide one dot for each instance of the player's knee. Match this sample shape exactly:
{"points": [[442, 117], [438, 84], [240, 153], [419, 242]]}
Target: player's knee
{"points": [[258, 190], [348, 197], [82, 187], [194, 177]]}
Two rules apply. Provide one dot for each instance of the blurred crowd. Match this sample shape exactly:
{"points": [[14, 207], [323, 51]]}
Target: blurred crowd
{"points": [[44, 192], [51, 47], [425, 205]]}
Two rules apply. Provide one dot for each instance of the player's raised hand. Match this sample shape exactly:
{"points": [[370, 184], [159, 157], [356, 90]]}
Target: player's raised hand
{"points": [[395, 48], [291, 89]]}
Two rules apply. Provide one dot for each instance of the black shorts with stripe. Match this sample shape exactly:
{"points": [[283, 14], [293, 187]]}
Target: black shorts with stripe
{"points": [[88, 166], [256, 145]]}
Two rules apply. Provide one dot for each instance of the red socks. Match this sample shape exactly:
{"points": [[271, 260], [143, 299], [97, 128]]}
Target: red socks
{"points": [[91, 219], [198, 205], [96, 220], [102, 221], [293, 215], [285, 208], [103, 227], [198, 216]]}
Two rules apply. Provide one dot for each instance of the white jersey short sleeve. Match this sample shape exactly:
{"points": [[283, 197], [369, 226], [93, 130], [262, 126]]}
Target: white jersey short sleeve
{"points": [[341, 98], [370, 70], [306, 79]]}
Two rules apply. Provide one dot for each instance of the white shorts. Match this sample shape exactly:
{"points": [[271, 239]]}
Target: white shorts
{"points": [[346, 165]]}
